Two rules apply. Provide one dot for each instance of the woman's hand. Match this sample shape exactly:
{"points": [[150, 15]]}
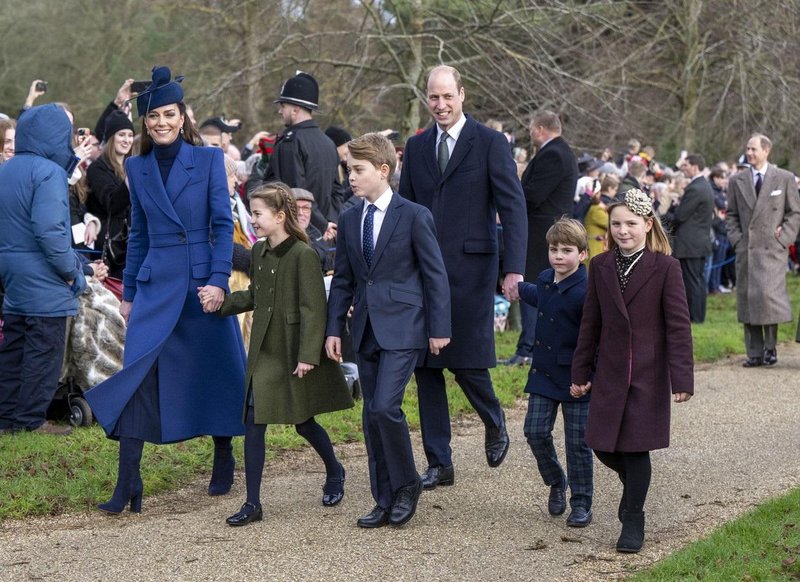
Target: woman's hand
{"points": [[682, 397], [90, 234], [125, 309], [99, 270], [302, 369], [211, 297]]}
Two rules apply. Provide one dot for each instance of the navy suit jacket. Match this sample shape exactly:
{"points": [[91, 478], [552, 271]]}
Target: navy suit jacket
{"points": [[404, 293], [479, 182]]}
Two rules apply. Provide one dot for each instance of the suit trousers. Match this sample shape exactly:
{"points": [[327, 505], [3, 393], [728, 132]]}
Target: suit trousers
{"points": [[758, 338], [30, 366], [384, 375], [434, 415], [694, 280]]}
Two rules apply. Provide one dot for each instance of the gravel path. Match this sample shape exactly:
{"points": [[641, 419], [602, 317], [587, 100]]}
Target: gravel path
{"points": [[734, 445]]}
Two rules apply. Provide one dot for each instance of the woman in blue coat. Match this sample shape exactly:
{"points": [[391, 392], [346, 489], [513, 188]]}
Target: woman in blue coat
{"points": [[183, 372]]}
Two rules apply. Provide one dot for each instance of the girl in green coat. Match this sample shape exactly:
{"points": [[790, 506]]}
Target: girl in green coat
{"points": [[289, 380]]}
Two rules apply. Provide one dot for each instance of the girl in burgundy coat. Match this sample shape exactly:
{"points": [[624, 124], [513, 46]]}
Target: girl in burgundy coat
{"points": [[636, 321]]}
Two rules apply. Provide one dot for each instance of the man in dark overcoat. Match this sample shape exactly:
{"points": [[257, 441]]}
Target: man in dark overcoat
{"points": [[692, 234], [549, 184], [464, 173]]}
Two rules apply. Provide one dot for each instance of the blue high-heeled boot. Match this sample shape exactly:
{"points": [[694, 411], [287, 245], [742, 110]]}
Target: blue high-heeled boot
{"points": [[129, 480], [224, 464]]}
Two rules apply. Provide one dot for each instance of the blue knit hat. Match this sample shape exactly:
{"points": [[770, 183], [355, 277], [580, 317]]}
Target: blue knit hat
{"points": [[160, 92]]}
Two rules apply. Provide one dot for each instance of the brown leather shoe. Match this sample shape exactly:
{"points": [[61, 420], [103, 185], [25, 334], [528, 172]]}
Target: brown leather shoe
{"points": [[52, 429]]}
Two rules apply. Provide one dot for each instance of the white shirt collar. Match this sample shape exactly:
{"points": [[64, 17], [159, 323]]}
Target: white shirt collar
{"points": [[762, 171], [382, 203], [454, 131]]}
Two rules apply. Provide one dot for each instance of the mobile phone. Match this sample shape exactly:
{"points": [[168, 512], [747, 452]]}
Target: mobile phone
{"points": [[41, 86], [139, 86], [83, 131]]}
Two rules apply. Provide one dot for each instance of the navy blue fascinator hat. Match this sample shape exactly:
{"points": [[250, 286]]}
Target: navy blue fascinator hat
{"points": [[161, 91]]}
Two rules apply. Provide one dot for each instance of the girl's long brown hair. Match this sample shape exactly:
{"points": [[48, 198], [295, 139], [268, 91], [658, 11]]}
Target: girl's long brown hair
{"points": [[279, 198]]}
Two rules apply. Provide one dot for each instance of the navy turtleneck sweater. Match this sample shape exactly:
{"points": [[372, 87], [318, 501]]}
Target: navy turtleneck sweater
{"points": [[165, 156]]}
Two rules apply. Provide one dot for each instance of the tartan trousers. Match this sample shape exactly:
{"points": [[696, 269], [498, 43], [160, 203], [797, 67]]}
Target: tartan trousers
{"points": [[539, 422]]}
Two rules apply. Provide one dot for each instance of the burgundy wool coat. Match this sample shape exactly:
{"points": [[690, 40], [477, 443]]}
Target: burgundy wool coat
{"points": [[643, 342]]}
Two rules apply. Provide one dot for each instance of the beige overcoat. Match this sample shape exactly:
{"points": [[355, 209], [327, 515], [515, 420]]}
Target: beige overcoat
{"points": [[761, 258]]}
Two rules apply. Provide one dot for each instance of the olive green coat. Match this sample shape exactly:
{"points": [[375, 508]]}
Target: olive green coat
{"points": [[287, 297]]}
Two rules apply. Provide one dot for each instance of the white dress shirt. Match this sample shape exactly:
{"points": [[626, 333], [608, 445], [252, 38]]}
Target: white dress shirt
{"points": [[381, 205]]}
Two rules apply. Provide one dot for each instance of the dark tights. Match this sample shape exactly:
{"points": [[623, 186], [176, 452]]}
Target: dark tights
{"points": [[634, 471], [255, 451]]}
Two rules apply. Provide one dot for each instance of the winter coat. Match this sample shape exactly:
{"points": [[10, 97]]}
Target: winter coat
{"points": [[287, 297], [692, 221], [761, 296], [36, 255], [181, 238], [560, 306], [636, 348], [110, 201], [479, 183]]}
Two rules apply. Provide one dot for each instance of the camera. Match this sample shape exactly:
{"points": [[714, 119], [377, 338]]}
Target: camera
{"points": [[83, 131], [41, 86], [139, 86]]}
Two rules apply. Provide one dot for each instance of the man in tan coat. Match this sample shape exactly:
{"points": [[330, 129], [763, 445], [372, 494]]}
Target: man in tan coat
{"points": [[763, 219]]}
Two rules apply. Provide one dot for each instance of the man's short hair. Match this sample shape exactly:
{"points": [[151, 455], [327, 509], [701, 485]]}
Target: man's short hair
{"points": [[452, 70], [548, 120], [636, 168], [568, 231], [717, 171], [766, 143], [696, 160], [374, 148]]}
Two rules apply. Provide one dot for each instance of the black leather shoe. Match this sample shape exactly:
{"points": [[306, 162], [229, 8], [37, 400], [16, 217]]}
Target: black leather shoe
{"points": [[770, 357], [249, 512], [579, 517], [333, 490], [378, 517], [557, 501], [405, 503], [497, 442], [438, 475], [754, 362], [517, 360]]}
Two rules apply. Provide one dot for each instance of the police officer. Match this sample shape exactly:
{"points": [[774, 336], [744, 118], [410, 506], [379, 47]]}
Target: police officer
{"points": [[304, 157]]}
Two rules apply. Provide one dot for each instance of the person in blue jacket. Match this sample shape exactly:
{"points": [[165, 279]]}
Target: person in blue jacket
{"points": [[183, 370], [41, 273], [558, 294]]}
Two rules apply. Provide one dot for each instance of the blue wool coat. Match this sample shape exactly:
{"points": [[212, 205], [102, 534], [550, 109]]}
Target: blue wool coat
{"points": [[36, 255], [560, 308], [479, 183], [181, 238]]}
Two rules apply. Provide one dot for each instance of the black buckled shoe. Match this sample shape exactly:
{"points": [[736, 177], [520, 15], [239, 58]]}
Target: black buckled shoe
{"points": [[333, 490], [249, 512], [579, 517], [770, 357], [378, 517], [405, 503], [435, 476], [753, 362], [557, 501]]}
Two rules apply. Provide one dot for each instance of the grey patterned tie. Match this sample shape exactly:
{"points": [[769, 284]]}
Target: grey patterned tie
{"points": [[444, 152]]}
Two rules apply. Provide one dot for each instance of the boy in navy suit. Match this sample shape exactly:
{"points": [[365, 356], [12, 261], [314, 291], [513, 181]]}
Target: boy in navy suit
{"points": [[558, 294], [390, 269]]}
